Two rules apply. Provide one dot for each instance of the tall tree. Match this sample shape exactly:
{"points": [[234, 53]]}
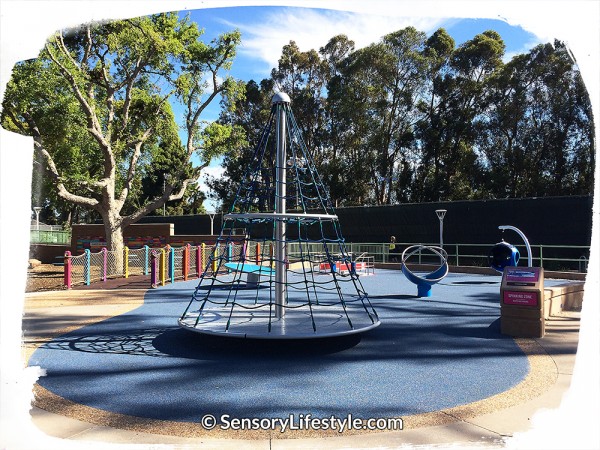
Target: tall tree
{"points": [[432, 124], [450, 168], [537, 138], [336, 167], [414, 118], [302, 75], [383, 84], [114, 82], [474, 63], [246, 115]]}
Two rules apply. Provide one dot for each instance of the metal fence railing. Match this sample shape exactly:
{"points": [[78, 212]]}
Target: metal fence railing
{"points": [[50, 237], [550, 257], [138, 261], [169, 264]]}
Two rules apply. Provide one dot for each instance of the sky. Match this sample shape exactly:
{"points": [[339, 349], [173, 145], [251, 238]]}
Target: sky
{"points": [[266, 29], [24, 26]]}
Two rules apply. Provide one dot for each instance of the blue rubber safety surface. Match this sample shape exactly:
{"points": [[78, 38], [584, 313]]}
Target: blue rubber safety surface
{"points": [[428, 354]]}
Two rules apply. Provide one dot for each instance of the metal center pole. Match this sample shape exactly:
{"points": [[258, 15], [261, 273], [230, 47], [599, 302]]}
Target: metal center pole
{"points": [[280, 207]]}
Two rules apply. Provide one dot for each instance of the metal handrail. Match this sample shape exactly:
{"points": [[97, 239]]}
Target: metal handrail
{"points": [[49, 237], [457, 252]]}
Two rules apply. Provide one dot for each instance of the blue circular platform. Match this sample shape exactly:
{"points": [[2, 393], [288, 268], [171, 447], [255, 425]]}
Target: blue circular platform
{"points": [[427, 355]]}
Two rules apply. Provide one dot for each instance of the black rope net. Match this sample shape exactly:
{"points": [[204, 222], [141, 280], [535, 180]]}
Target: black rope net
{"points": [[280, 267]]}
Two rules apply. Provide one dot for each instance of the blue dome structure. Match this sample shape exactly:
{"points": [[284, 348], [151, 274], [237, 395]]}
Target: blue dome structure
{"points": [[503, 255]]}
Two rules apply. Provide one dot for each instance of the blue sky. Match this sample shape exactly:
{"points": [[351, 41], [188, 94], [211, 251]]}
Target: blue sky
{"points": [[265, 30]]}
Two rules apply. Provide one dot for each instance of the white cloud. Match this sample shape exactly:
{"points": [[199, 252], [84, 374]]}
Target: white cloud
{"points": [[212, 171], [264, 37], [525, 48]]}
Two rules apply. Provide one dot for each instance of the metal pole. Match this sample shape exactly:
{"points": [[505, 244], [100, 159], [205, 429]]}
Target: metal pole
{"points": [[441, 213], [37, 210], [212, 220], [280, 99]]}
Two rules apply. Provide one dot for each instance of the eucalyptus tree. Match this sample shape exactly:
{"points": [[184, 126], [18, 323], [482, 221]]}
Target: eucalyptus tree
{"points": [[383, 84], [299, 74], [433, 124], [302, 75], [453, 109], [246, 115], [97, 100], [538, 137], [337, 167], [473, 63]]}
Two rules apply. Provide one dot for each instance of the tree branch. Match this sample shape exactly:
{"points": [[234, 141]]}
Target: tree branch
{"points": [[133, 166], [157, 202], [63, 49], [128, 88], [93, 124], [63, 192]]}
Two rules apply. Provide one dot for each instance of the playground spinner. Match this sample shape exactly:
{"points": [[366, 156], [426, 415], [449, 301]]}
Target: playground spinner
{"points": [[279, 268]]}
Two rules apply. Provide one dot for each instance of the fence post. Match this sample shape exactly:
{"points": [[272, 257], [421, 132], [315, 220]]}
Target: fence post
{"points": [[199, 259], [457, 255], [186, 262], [162, 267], [146, 254], [87, 266], [258, 253], [153, 270], [67, 266], [541, 256], [215, 255], [104, 263], [126, 261], [171, 263], [229, 252]]}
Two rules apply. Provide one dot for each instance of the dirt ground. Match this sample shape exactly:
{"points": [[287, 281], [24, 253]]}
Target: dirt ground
{"points": [[46, 277]]}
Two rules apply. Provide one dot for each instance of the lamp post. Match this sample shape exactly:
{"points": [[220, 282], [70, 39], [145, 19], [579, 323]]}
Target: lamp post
{"points": [[212, 220], [441, 213], [36, 210]]}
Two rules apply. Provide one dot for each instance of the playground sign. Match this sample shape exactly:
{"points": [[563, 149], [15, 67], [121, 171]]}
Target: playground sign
{"points": [[515, 275], [522, 302], [520, 298]]}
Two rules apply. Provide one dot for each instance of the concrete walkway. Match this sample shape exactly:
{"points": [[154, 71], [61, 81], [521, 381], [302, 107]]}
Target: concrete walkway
{"points": [[49, 314]]}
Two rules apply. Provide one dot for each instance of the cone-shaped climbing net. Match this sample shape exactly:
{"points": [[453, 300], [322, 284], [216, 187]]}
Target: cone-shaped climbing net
{"points": [[279, 268]]}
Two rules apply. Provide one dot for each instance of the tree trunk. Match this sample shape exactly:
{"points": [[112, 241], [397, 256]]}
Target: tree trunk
{"points": [[114, 242]]}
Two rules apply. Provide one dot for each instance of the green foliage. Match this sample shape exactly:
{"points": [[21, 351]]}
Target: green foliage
{"points": [[413, 118], [97, 102]]}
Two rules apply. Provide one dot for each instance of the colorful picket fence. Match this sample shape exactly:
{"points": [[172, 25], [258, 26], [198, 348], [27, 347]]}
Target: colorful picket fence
{"points": [[170, 264], [164, 265], [91, 267]]}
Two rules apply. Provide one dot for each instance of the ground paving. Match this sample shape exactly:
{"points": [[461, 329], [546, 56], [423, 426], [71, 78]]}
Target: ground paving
{"points": [[487, 421]]}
